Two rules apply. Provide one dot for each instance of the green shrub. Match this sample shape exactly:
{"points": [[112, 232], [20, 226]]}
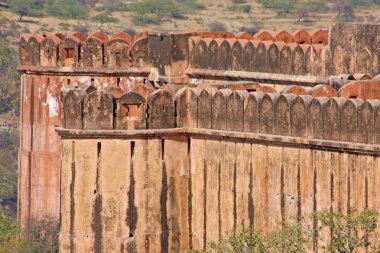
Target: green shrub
{"points": [[145, 20], [240, 8], [347, 234], [27, 8], [67, 9], [42, 236], [161, 8], [104, 18], [292, 238]]}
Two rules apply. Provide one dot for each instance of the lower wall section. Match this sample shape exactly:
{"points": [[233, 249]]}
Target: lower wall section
{"points": [[166, 194]]}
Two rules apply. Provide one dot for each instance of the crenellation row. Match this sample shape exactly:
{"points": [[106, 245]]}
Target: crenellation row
{"points": [[77, 50], [318, 36], [334, 118], [257, 56], [119, 50]]}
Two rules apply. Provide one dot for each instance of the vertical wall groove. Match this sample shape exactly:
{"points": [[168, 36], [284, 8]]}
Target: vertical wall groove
{"points": [[163, 201], [31, 162], [132, 209], [205, 204], [72, 199], [97, 216], [190, 197]]}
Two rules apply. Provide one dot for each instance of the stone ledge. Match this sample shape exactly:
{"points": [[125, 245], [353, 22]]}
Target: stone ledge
{"points": [[226, 135], [258, 77], [83, 71]]}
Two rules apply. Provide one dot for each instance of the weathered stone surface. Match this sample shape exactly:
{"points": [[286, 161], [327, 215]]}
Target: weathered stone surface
{"points": [[72, 100], [249, 60], [92, 50], [98, 110], [285, 64], [299, 116], [261, 57], [314, 120], [118, 51], [273, 58], [237, 55], [361, 89], [294, 89], [187, 107], [219, 109], [200, 54], [235, 110], [69, 51], [298, 59], [283, 36], [115, 91], [140, 51], [319, 36], [225, 54], [252, 112], [366, 121], [267, 105], [263, 35], [301, 37], [363, 61], [33, 49], [49, 50], [349, 39], [23, 42], [323, 90], [161, 111], [244, 35], [349, 120], [331, 113], [377, 124], [131, 111], [205, 108], [144, 90], [282, 108], [212, 54]]}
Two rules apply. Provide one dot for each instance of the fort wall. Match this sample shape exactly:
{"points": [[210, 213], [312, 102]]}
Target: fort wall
{"points": [[208, 162], [307, 91], [163, 191]]}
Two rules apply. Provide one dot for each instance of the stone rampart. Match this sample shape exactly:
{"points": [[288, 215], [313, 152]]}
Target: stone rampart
{"points": [[335, 119]]}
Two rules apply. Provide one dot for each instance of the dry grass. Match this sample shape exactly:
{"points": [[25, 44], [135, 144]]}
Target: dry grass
{"points": [[216, 11]]}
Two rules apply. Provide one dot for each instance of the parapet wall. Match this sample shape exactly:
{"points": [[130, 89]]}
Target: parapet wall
{"points": [[347, 48], [257, 56], [334, 119], [77, 50]]}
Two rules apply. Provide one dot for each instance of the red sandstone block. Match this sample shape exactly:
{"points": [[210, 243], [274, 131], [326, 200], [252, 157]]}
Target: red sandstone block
{"points": [[301, 37], [263, 35], [295, 89], [323, 90], [362, 76], [245, 35], [361, 89], [283, 36], [319, 36], [266, 89]]}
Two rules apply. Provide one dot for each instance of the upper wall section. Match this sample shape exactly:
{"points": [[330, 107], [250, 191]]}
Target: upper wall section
{"points": [[354, 48], [76, 50], [348, 48], [169, 53]]}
